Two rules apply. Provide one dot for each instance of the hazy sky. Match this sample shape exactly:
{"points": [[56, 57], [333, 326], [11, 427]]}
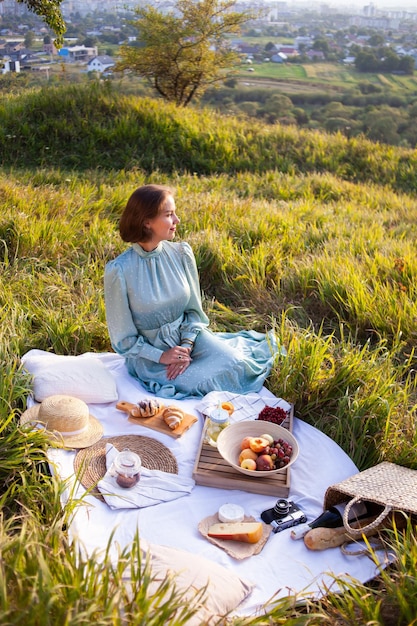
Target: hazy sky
{"points": [[378, 4]]}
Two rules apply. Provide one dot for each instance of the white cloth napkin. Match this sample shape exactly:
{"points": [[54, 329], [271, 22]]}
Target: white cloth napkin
{"points": [[246, 406], [153, 487]]}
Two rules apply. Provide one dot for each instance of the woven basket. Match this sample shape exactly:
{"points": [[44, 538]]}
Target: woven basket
{"points": [[391, 486]]}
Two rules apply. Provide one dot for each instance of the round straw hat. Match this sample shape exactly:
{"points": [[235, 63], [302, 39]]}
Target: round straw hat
{"points": [[66, 420]]}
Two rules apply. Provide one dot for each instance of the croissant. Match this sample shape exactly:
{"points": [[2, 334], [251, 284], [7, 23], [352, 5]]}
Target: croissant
{"points": [[173, 417], [146, 408]]}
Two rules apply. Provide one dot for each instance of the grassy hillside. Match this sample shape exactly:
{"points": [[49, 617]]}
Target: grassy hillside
{"points": [[82, 127], [314, 234]]}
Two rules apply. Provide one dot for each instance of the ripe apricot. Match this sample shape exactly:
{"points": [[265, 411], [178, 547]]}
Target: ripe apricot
{"points": [[228, 406], [245, 443], [248, 464], [247, 453], [258, 444]]}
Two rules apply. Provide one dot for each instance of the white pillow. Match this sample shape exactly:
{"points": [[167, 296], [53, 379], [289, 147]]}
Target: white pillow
{"points": [[192, 572], [84, 377]]}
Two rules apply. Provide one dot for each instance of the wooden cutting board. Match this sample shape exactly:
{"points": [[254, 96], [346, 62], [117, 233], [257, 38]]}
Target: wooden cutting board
{"points": [[156, 422]]}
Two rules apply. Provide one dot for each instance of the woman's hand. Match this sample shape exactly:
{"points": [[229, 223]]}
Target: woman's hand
{"points": [[177, 360]]}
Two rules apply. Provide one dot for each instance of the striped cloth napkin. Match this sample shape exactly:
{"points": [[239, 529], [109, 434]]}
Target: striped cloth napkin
{"points": [[153, 487], [247, 407]]}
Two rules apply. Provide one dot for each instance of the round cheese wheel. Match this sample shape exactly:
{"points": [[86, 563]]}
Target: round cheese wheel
{"points": [[231, 513]]}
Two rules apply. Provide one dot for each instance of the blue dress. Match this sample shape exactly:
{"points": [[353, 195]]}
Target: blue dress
{"points": [[153, 302]]}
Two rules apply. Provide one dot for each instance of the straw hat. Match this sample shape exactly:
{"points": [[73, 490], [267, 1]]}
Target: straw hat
{"points": [[67, 420]]}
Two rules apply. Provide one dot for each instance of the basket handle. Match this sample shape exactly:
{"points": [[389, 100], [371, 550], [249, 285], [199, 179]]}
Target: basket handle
{"points": [[377, 545], [371, 526]]}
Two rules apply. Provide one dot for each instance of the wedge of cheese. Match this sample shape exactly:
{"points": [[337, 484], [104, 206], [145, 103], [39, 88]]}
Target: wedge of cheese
{"points": [[248, 532]]}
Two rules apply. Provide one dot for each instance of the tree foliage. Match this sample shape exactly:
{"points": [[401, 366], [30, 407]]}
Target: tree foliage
{"points": [[184, 51], [50, 12], [383, 60]]}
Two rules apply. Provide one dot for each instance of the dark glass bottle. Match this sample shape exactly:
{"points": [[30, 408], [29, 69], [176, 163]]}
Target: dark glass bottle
{"points": [[332, 518]]}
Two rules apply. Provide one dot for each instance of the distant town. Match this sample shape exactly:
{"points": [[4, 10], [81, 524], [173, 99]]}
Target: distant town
{"points": [[298, 32]]}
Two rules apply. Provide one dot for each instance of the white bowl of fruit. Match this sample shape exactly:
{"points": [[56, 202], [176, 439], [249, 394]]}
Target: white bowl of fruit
{"points": [[257, 448]]}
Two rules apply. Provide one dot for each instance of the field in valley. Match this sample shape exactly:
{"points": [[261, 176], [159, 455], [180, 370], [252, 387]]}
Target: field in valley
{"points": [[328, 76]]}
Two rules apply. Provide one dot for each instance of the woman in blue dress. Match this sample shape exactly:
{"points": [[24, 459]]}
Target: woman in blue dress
{"points": [[155, 316]]}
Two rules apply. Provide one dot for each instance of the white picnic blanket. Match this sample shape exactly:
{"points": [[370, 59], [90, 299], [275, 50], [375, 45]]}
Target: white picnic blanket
{"points": [[283, 566]]}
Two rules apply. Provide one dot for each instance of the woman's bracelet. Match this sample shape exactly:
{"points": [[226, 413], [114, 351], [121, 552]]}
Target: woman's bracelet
{"points": [[189, 341]]}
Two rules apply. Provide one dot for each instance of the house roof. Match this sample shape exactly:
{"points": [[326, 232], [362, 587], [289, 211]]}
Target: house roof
{"points": [[248, 49], [288, 50], [104, 59], [279, 58]]}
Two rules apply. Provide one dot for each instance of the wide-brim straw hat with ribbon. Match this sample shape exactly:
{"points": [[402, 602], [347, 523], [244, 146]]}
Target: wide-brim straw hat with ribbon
{"points": [[66, 420]]}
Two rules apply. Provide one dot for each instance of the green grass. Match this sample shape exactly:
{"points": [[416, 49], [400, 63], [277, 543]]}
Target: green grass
{"points": [[315, 234], [277, 71], [331, 75], [114, 128]]}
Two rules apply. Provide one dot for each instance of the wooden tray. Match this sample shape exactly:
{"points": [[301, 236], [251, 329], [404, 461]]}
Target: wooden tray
{"points": [[211, 470], [156, 422]]}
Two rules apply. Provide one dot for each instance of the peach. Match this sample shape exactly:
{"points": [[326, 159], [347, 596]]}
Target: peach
{"points": [[264, 463], [269, 438], [228, 406], [247, 453], [245, 443], [258, 444], [248, 464]]}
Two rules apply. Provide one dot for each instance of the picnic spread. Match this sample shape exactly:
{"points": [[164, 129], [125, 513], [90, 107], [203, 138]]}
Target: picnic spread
{"points": [[184, 483]]}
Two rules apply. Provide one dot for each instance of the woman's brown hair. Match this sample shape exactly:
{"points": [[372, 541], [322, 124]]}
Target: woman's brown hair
{"points": [[143, 205]]}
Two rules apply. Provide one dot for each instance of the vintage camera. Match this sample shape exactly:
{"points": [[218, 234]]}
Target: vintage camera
{"points": [[283, 515]]}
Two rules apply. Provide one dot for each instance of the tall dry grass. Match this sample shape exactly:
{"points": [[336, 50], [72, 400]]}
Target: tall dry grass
{"points": [[328, 261]]}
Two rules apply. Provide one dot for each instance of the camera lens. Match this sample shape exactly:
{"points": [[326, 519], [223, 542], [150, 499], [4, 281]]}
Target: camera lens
{"points": [[281, 507]]}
